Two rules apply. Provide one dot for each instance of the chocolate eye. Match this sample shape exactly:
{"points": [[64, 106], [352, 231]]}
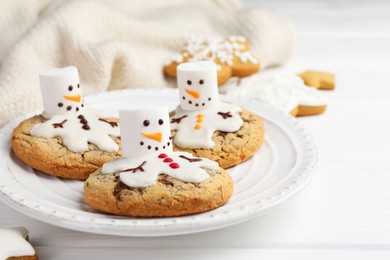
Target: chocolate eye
{"points": [[160, 121], [78, 85], [70, 88], [201, 82], [189, 82], [146, 122], [60, 104]]}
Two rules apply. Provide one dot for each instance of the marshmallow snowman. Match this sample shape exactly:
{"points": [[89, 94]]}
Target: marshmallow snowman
{"points": [[198, 85], [145, 131], [200, 112], [62, 107], [147, 151], [61, 91]]}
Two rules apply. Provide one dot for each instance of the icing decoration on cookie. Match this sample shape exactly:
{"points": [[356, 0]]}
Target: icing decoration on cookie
{"points": [[61, 91], [200, 115], [13, 243], [284, 92], [77, 126], [220, 49], [77, 130], [147, 151]]}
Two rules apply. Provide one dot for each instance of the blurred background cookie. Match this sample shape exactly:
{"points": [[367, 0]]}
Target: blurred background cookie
{"points": [[14, 244], [232, 56]]}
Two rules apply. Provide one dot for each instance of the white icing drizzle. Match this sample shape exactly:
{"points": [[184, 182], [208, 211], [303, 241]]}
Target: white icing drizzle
{"points": [[142, 171], [76, 134], [188, 136], [284, 92], [215, 48], [246, 56], [13, 243]]}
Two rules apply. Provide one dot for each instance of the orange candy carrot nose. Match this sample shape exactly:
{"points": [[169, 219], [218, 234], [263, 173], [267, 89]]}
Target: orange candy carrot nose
{"points": [[192, 93], [75, 98], [155, 136]]}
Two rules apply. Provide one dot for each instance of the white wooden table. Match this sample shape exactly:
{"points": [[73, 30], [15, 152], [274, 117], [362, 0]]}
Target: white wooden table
{"points": [[345, 211]]}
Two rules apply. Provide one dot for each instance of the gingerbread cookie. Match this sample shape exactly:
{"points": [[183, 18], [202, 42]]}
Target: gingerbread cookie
{"points": [[287, 93], [204, 126], [318, 79], [14, 244], [231, 55], [67, 140], [151, 180]]}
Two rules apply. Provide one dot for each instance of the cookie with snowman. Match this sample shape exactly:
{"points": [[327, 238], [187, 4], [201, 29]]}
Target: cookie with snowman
{"points": [[149, 162]]}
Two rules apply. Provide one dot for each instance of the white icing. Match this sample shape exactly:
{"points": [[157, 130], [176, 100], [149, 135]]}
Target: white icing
{"points": [[198, 85], [246, 56], [153, 166], [61, 91], [137, 138], [284, 92], [215, 48], [74, 136], [13, 243], [187, 136]]}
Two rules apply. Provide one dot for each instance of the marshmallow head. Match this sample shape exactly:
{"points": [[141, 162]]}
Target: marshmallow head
{"points": [[198, 85], [61, 92], [145, 131]]}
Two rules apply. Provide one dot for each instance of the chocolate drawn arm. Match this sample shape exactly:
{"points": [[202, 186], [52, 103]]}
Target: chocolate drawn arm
{"points": [[59, 125], [139, 168], [178, 120]]}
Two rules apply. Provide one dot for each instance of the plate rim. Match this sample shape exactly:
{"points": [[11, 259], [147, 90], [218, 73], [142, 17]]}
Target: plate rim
{"points": [[290, 188]]}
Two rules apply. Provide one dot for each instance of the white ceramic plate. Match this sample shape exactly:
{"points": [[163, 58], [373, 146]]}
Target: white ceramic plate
{"points": [[281, 168]]}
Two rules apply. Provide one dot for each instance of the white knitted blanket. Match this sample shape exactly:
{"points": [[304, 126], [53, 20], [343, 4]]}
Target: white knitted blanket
{"points": [[118, 44]]}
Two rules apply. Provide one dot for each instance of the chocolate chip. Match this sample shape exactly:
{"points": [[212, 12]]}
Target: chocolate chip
{"points": [[201, 82], [209, 98], [83, 121], [77, 108], [203, 104], [168, 143], [80, 117], [141, 143], [184, 98], [60, 104], [149, 147], [70, 88], [86, 127], [82, 105], [78, 85], [170, 138], [69, 108], [164, 147], [190, 102], [196, 104], [156, 148]]}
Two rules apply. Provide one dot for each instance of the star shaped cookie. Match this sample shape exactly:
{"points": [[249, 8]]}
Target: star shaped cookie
{"points": [[287, 93]]}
